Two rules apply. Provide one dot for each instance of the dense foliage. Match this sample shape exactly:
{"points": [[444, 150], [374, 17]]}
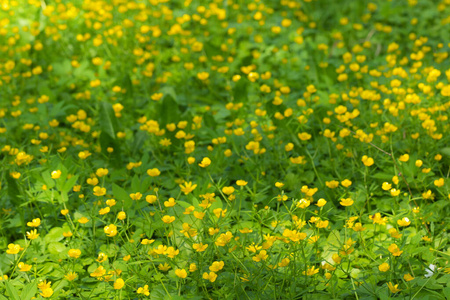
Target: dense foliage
{"points": [[224, 149]]}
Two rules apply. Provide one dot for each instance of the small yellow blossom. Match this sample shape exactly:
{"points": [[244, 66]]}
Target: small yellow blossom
{"points": [[404, 222], [346, 202], [56, 174], [181, 273], [241, 182], [205, 162], [393, 288], [34, 223], [119, 284], [384, 267]]}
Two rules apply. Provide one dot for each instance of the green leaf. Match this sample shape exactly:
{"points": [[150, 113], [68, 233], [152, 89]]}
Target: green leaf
{"points": [[56, 248], [13, 188], [446, 151], [107, 119], [54, 235], [169, 109], [29, 290], [69, 184], [12, 291], [121, 195]]}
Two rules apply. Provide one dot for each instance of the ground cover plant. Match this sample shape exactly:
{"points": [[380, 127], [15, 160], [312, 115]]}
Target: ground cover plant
{"points": [[224, 149]]}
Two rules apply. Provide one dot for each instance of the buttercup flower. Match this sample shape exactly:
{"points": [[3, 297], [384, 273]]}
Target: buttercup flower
{"points": [[205, 162]]}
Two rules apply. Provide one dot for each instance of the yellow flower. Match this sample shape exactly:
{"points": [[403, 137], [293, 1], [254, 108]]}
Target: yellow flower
{"points": [[395, 192], [304, 136], [110, 230], [386, 186], [211, 276], [44, 285], [262, 255], [83, 220], [395, 179], [46, 293], [404, 158], [102, 257], [393, 288], [67, 234], [121, 215], [377, 219], [228, 190], [322, 224], [367, 161], [384, 267], [332, 184], [404, 222], [192, 267], [223, 239], [104, 211], [216, 266], [199, 215], [439, 182], [136, 196], [394, 233], [241, 182], [119, 284], [203, 75], [157, 96], [144, 290], [205, 162], [346, 183], [358, 227], [24, 267], [187, 187], [34, 223], [279, 184], [170, 203], [15, 175], [74, 253], [311, 271], [321, 202], [181, 273], [101, 172], [56, 174], [164, 267], [408, 277], [153, 172], [84, 154], [32, 234], [99, 272], [13, 249], [151, 199], [346, 202], [303, 203], [200, 247], [99, 191], [168, 219], [64, 212], [395, 250], [71, 276]]}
